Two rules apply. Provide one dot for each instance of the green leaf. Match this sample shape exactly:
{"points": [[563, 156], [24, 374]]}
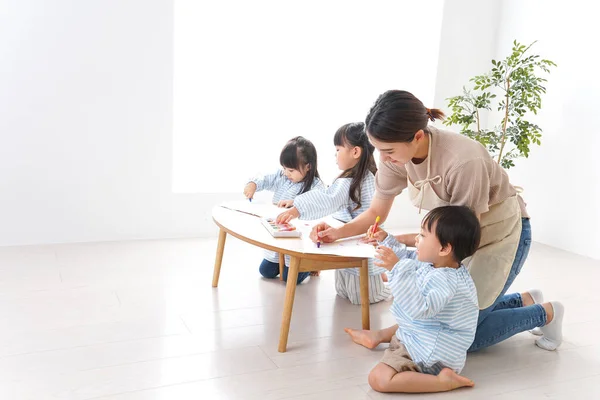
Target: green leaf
{"points": [[519, 81]]}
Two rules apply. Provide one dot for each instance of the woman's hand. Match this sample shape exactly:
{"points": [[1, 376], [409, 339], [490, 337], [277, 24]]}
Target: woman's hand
{"points": [[287, 216], [249, 190], [326, 233], [386, 258], [285, 203]]}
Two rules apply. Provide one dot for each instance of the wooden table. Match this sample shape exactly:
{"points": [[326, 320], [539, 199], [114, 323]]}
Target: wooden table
{"points": [[249, 229]]}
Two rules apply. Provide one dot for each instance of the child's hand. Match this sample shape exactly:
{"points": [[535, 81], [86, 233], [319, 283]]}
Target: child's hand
{"points": [[373, 238], [326, 233], [386, 258], [285, 203], [287, 216], [249, 190]]}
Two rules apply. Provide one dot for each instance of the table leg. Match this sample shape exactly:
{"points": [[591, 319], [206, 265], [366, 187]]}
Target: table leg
{"points": [[219, 258], [281, 265], [288, 305], [364, 294]]}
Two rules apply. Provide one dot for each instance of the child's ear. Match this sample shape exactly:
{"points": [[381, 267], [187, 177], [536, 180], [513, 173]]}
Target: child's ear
{"points": [[446, 250], [356, 152]]}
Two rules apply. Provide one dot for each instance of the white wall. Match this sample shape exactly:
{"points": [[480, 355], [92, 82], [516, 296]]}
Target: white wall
{"points": [[561, 177], [85, 125], [85, 119], [467, 44]]}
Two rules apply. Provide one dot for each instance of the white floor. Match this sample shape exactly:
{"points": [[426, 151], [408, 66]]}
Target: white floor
{"points": [[139, 320]]}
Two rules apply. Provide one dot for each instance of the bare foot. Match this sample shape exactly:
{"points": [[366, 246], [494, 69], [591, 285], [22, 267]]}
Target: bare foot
{"points": [[315, 273], [451, 380], [365, 338]]}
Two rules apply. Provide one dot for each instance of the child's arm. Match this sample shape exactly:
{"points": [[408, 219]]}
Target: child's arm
{"points": [[316, 204], [318, 184], [267, 182], [398, 247], [421, 299], [409, 239]]}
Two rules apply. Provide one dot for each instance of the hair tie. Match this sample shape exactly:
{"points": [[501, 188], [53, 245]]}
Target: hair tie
{"points": [[428, 112]]}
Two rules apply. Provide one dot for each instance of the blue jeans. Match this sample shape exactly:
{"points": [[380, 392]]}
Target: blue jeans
{"points": [[507, 316], [270, 270]]}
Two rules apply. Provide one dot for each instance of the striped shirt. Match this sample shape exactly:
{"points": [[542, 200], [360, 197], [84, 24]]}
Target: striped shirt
{"points": [[336, 200], [283, 189], [436, 310]]}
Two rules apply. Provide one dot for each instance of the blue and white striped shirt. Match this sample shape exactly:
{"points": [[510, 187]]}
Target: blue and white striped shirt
{"points": [[436, 310], [281, 186], [336, 200], [284, 189]]}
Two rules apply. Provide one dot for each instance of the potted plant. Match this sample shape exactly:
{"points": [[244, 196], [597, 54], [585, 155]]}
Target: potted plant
{"points": [[514, 88]]}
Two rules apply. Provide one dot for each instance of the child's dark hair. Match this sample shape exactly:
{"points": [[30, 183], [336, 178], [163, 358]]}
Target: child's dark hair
{"points": [[297, 153], [397, 116], [354, 135], [457, 226]]}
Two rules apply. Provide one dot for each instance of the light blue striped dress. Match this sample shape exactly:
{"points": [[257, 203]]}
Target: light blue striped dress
{"points": [[336, 201], [436, 310], [284, 189]]}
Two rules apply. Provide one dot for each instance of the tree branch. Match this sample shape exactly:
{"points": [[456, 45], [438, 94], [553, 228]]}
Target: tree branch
{"points": [[505, 120]]}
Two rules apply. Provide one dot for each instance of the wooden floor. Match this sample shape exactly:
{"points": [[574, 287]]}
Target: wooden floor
{"points": [[139, 320]]}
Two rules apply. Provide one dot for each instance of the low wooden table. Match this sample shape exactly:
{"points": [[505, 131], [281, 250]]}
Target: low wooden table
{"points": [[249, 229]]}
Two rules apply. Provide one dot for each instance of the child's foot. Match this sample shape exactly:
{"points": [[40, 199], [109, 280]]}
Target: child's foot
{"points": [[535, 296], [366, 338], [553, 331], [315, 273], [452, 380]]}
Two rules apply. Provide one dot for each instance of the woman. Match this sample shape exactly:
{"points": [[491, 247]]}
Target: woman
{"points": [[441, 168]]}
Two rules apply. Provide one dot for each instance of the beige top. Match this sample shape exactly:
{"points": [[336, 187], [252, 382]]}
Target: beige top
{"points": [[470, 176]]}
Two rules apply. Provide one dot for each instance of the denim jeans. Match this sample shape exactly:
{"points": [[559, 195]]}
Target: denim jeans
{"points": [[507, 316], [270, 270]]}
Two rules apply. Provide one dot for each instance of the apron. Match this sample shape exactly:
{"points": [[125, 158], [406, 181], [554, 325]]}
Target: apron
{"points": [[500, 235]]}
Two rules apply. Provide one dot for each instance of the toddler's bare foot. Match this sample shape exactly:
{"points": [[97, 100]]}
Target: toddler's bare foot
{"points": [[366, 338], [452, 380]]}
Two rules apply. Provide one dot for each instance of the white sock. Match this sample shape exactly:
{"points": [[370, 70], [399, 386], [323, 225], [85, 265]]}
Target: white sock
{"points": [[553, 331], [536, 295], [538, 298]]}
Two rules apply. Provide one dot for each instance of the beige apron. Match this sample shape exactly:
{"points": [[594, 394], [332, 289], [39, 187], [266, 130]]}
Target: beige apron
{"points": [[500, 235]]}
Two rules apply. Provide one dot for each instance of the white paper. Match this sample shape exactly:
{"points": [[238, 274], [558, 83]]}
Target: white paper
{"points": [[349, 247], [262, 210]]}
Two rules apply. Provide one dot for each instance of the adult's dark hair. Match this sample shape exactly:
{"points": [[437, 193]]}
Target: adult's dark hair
{"points": [[354, 135], [298, 153], [397, 116], [457, 226]]}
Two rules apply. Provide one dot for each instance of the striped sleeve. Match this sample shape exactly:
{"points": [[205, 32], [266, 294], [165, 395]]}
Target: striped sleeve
{"points": [[425, 297], [318, 185], [321, 203], [268, 182], [399, 248]]}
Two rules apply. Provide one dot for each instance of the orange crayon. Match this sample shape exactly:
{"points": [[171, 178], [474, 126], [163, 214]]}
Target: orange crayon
{"points": [[375, 226]]}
